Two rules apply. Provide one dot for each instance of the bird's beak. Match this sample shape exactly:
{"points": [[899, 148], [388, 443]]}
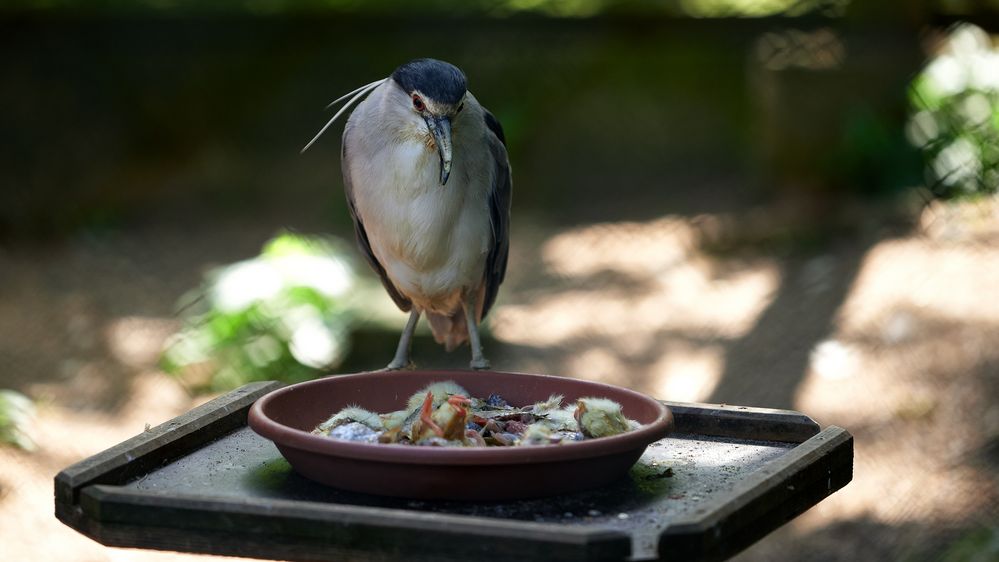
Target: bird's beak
{"points": [[440, 127]]}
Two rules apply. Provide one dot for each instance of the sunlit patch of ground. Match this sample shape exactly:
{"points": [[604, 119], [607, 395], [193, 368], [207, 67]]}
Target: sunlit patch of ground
{"points": [[907, 360], [28, 528], [631, 295], [81, 327], [910, 364], [913, 371]]}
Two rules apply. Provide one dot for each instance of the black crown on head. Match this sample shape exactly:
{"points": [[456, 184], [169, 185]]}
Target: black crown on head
{"points": [[440, 81]]}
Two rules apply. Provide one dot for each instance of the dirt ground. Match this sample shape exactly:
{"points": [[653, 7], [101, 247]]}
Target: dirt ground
{"points": [[891, 333]]}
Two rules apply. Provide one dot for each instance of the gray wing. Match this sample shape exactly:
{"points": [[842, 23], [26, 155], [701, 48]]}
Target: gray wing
{"points": [[499, 212], [362, 236]]}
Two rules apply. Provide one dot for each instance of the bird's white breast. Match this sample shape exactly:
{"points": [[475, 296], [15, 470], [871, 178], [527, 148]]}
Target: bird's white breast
{"points": [[432, 239]]}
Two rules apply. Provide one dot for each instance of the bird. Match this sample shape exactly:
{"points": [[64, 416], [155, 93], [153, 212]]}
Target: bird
{"points": [[428, 185], [601, 417]]}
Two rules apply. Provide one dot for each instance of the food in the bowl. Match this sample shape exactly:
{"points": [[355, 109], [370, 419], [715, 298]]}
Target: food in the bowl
{"points": [[446, 415]]}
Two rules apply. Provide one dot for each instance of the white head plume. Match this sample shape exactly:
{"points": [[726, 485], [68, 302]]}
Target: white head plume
{"points": [[358, 94]]}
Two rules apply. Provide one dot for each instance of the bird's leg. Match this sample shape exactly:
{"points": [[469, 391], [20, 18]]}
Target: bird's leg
{"points": [[426, 415], [479, 361], [401, 360]]}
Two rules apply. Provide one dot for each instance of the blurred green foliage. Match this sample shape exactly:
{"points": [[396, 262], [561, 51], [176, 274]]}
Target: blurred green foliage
{"points": [[16, 413], [284, 315], [873, 157], [170, 108], [955, 116], [977, 545], [504, 8], [498, 8]]}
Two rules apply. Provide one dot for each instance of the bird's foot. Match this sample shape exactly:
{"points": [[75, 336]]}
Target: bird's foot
{"points": [[479, 363], [427, 417], [400, 365]]}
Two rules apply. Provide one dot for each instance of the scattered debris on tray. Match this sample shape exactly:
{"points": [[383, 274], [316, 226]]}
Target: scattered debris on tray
{"points": [[446, 415]]}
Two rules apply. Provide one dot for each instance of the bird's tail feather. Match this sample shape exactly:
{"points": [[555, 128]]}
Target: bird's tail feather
{"points": [[449, 330]]}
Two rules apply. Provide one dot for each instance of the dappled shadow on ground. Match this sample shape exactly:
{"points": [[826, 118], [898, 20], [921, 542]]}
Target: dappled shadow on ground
{"points": [[865, 538], [79, 320], [645, 304], [889, 335], [766, 366]]}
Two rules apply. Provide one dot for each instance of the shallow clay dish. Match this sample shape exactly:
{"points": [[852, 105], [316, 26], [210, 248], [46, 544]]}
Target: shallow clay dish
{"points": [[288, 415]]}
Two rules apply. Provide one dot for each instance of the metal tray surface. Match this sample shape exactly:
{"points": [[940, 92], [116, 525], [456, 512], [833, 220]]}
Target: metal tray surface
{"points": [[205, 482]]}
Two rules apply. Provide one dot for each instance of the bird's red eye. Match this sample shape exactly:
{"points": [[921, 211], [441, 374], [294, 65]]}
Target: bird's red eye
{"points": [[418, 103]]}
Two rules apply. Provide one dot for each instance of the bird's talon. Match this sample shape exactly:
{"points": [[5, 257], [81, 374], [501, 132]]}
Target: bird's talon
{"points": [[400, 366], [426, 415], [479, 364]]}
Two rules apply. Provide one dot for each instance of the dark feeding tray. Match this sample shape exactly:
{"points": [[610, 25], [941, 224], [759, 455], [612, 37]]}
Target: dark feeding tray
{"points": [[206, 483], [288, 415]]}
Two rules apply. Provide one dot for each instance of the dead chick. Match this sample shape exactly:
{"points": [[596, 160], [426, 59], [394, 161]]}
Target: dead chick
{"points": [[440, 390], [399, 425], [448, 421], [600, 417], [350, 414], [538, 434], [543, 408], [562, 420]]}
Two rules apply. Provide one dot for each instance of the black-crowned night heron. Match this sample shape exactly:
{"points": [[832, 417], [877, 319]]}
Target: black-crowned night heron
{"points": [[427, 180]]}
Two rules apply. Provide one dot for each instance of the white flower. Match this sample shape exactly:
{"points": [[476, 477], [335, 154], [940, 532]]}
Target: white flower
{"points": [[975, 109], [984, 69], [967, 40], [324, 274], [242, 284], [313, 344], [947, 76], [958, 162], [922, 128], [259, 280]]}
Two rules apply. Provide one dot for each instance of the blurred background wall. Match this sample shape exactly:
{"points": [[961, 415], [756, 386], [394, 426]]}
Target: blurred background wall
{"points": [[779, 203], [122, 112]]}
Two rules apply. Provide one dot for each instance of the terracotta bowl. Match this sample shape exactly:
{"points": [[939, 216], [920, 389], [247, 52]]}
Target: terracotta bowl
{"points": [[288, 415]]}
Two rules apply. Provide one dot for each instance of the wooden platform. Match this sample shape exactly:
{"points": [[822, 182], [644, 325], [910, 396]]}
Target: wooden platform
{"points": [[204, 482]]}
